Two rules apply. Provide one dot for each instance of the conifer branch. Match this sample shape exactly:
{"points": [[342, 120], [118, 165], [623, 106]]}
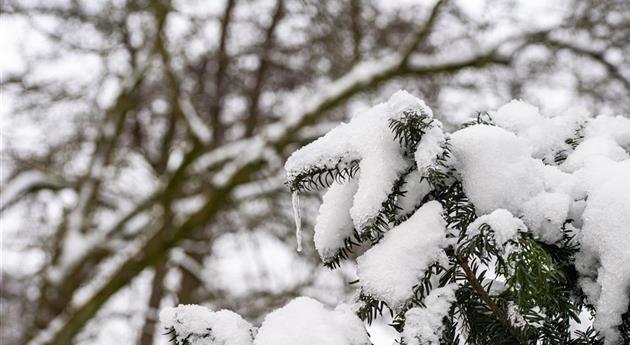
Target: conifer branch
{"points": [[320, 177], [498, 313]]}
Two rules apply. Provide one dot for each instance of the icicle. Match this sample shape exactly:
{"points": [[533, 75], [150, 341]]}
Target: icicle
{"points": [[295, 198]]}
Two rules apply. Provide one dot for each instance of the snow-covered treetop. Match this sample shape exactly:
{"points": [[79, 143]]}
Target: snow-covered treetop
{"points": [[493, 232]]}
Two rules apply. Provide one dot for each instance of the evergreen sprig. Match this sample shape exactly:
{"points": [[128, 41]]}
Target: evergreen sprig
{"points": [[539, 290], [177, 339], [477, 321], [371, 308], [344, 252], [572, 142], [450, 335], [539, 281], [410, 127], [320, 177], [388, 215], [422, 290], [588, 337], [459, 212], [440, 175]]}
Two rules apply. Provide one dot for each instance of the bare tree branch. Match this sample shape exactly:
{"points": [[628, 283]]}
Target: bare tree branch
{"points": [[219, 80], [253, 110]]}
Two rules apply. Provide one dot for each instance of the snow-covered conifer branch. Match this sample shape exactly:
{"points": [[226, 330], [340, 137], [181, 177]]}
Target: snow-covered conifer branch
{"points": [[375, 144], [289, 325], [510, 248]]}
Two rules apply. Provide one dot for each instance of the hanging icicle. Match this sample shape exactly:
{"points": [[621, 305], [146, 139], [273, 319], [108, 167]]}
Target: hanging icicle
{"points": [[295, 198]]}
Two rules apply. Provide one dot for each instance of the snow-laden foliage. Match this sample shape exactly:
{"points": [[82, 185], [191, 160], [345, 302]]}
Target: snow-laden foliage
{"points": [[501, 232], [392, 267], [504, 225], [375, 149], [367, 144], [334, 224], [303, 321], [197, 325], [424, 325]]}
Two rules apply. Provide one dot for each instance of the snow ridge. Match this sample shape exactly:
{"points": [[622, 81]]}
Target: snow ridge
{"points": [[390, 269], [424, 325]]}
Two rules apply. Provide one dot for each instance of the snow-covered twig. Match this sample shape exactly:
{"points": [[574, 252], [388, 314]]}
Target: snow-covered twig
{"points": [[24, 183]]}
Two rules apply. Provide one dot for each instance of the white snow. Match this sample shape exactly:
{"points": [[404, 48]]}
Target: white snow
{"points": [[306, 321], [202, 326], [402, 101], [498, 172], [334, 223], [544, 135], [389, 270], [545, 213], [605, 254], [502, 222], [415, 189], [423, 326], [596, 146], [496, 168], [430, 147], [557, 181], [616, 128], [604, 136]]}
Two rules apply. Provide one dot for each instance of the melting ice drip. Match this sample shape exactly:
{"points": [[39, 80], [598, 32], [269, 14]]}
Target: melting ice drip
{"points": [[295, 198]]}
